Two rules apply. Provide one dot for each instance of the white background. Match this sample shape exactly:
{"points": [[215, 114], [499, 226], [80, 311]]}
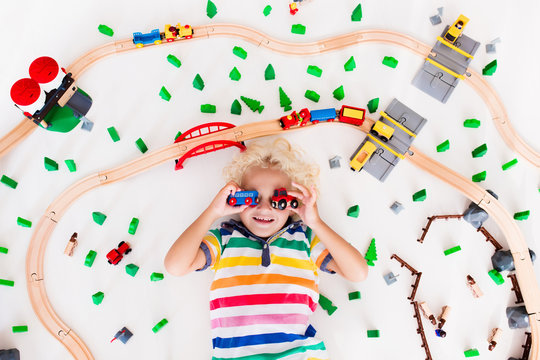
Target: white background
{"points": [[125, 91]]}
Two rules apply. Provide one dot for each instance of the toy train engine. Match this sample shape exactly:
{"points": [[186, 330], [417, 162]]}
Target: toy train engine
{"points": [[290, 120], [352, 115], [243, 198], [280, 199]]}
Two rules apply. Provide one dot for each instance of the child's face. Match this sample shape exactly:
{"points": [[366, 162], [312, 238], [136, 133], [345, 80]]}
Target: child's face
{"points": [[263, 220]]}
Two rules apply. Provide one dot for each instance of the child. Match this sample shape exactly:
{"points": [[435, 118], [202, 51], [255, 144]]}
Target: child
{"points": [[266, 281]]}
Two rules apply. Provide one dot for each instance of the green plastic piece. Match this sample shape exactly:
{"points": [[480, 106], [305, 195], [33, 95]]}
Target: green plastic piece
{"points": [[50, 164], [452, 250], [198, 82], [312, 95], [211, 9], [235, 74], [208, 108], [131, 269], [471, 353], [241, 53], [419, 195], [105, 30], [339, 93], [298, 29], [357, 13], [284, 101], [114, 134], [99, 218], [165, 94], [371, 253], [509, 164], [90, 257], [236, 108], [373, 334], [350, 65], [444, 146], [97, 298], [141, 145], [63, 119], [353, 211], [159, 325], [326, 304], [254, 105], [496, 276], [373, 105], [471, 123], [6, 180], [70, 163], [19, 329], [481, 176], [355, 295], [3, 250], [267, 10], [522, 215], [390, 62], [314, 70], [23, 222], [7, 282], [479, 151], [133, 226], [174, 60], [490, 68], [155, 276], [177, 135], [269, 73]]}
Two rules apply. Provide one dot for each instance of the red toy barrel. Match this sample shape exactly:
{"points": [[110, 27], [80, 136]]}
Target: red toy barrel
{"points": [[44, 69], [25, 92]]}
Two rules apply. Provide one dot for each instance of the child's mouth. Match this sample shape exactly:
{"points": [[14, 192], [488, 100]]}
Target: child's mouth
{"points": [[262, 220]]}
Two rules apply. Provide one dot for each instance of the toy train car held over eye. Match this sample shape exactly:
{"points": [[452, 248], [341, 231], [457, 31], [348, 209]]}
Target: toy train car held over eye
{"points": [[243, 198]]}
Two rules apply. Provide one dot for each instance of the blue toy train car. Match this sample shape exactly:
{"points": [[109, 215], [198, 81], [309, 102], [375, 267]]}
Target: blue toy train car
{"points": [[243, 198], [140, 39], [323, 115]]}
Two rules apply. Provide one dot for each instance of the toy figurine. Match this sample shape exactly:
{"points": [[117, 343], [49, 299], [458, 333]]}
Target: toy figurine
{"points": [[444, 315], [427, 312], [474, 287], [494, 338], [71, 245]]}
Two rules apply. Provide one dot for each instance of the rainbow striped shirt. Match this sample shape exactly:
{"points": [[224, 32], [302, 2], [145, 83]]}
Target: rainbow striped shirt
{"points": [[264, 292]]}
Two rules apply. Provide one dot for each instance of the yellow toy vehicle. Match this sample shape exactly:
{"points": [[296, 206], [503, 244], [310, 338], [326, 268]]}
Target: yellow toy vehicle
{"points": [[362, 156], [382, 130], [456, 29], [178, 32]]}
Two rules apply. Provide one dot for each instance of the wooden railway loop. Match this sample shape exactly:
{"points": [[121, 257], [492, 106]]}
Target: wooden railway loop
{"points": [[53, 214]]}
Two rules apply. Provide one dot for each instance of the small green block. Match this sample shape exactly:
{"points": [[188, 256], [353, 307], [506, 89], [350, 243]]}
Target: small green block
{"points": [[269, 73], [350, 65], [452, 250], [71, 165], [90, 257], [390, 62], [419, 195], [373, 105], [23, 222], [522, 215], [208, 108], [471, 123], [211, 9], [496, 276], [314, 70], [355, 295], [155, 276], [177, 135], [235, 75], [481, 176], [444, 146], [141, 145], [312, 95], [50, 164], [339, 93], [165, 94], [353, 211], [99, 218], [198, 82], [159, 325], [509, 164], [6, 180], [326, 304], [471, 353], [114, 134], [3, 250], [133, 226], [373, 334], [267, 10], [298, 29], [240, 52], [357, 13], [7, 282], [174, 60], [105, 30], [131, 269], [236, 107], [490, 68], [97, 298], [479, 151], [19, 329]]}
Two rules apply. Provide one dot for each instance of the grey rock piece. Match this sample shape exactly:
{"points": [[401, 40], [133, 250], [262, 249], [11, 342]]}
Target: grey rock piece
{"points": [[502, 260], [517, 316], [475, 215]]}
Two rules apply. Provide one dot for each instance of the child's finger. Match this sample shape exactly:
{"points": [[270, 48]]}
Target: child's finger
{"points": [[301, 188]]}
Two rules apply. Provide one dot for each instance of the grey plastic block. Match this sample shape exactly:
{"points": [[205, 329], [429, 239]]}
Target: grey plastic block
{"points": [[390, 278], [435, 20], [334, 162], [87, 124], [10, 354], [396, 207], [518, 318], [123, 335], [491, 48]]}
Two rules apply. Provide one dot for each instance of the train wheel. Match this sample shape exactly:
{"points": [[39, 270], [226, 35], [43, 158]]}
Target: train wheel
{"points": [[274, 204], [282, 204], [373, 132], [189, 37], [121, 243], [110, 262], [248, 201], [157, 42], [294, 204], [232, 201], [127, 251], [384, 138], [139, 45]]}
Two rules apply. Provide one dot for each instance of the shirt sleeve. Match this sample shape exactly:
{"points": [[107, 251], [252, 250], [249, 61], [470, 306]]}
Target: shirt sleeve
{"points": [[212, 246], [319, 254]]}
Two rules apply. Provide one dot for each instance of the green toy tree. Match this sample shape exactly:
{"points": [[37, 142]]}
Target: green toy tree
{"points": [[371, 254], [254, 105], [284, 100]]}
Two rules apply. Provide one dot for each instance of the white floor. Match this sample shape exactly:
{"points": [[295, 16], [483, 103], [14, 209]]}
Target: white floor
{"points": [[125, 92]]}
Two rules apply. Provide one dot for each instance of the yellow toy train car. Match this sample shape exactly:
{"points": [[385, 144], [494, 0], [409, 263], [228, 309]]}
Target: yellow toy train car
{"points": [[362, 156]]}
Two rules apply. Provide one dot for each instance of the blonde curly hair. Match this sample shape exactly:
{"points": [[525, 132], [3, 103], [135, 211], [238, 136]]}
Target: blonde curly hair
{"points": [[277, 155]]}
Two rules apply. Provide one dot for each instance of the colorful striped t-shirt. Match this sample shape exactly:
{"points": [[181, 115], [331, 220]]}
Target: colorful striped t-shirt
{"points": [[264, 291]]}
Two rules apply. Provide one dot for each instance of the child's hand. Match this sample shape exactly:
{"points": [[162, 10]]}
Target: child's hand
{"points": [[308, 211], [219, 206]]}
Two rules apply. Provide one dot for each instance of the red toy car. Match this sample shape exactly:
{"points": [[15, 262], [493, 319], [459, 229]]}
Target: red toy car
{"points": [[115, 255], [289, 120], [280, 199]]}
